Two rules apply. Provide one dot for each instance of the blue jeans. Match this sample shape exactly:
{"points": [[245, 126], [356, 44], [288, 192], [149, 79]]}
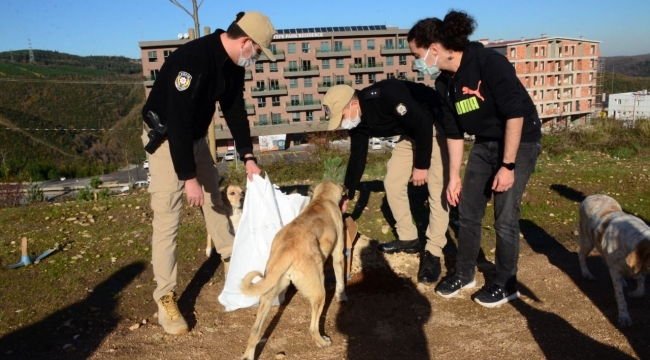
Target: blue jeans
{"points": [[482, 165]]}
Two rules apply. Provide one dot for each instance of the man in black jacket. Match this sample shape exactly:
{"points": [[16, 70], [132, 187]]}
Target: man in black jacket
{"points": [[191, 81], [390, 108]]}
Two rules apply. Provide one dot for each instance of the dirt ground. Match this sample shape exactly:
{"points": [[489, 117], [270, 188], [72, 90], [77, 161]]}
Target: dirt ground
{"points": [[388, 316]]}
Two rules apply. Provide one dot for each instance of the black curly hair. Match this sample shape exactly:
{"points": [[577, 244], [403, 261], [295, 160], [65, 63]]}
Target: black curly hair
{"points": [[452, 32]]}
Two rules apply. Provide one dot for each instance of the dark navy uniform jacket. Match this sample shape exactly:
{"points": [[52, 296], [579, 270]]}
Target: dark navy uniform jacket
{"points": [[393, 107], [192, 79]]}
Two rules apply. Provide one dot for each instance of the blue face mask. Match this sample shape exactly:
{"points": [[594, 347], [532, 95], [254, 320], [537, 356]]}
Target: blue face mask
{"points": [[421, 65]]}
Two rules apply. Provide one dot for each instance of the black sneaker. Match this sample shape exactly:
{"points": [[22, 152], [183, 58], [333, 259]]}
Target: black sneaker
{"points": [[408, 246], [429, 268], [495, 295], [450, 286]]}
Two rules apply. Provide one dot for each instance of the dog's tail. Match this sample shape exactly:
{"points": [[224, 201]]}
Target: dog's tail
{"points": [[276, 268]]}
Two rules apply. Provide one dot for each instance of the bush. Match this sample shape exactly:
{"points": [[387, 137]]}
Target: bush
{"points": [[95, 182], [103, 193], [35, 193], [85, 194]]}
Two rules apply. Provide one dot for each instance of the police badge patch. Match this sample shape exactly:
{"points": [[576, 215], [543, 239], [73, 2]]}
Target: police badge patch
{"points": [[183, 81], [401, 109]]}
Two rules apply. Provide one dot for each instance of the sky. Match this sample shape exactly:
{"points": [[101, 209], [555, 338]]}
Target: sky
{"points": [[114, 27]]}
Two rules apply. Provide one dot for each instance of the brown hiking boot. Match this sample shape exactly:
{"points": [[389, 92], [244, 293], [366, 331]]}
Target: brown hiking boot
{"points": [[169, 317]]}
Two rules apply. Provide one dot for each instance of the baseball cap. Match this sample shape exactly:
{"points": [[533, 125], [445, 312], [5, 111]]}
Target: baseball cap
{"points": [[259, 28], [335, 100]]}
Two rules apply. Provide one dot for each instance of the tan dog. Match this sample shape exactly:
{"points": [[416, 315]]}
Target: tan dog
{"points": [[297, 255], [233, 200], [622, 239]]}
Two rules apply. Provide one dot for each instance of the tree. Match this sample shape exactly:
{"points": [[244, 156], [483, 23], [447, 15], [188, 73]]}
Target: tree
{"points": [[194, 14]]}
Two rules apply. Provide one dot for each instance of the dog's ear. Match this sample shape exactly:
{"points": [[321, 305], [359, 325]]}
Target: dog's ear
{"points": [[639, 259]]}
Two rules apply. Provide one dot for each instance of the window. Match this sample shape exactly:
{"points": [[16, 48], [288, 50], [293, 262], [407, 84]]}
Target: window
{"points": [[591, 63], [541, 79], [261, 102], [295, 117], [325, 46], [339, 63], [154, 74], [591, 76], [273, 84], [390, 76], [402, 44], [566, 49], [401, 76], [371, 61], [420, 76], [153, 56], [340, 79], [259, 68], [327, 81], [273, 67], [306, 65], [371, 44], [513, 52], [307, 82], [389, 61], [166, 53], [326, 64], [541, 94], [535, 65], [541, 65], [589, 103], [306, 48], [308, 99], [293, 65], [358, 62], [591, 90], [358, 79], [260, 84], [543, 50], [295, 100], [402, 59], [309, 115], [592, 49], [536, 50], [372, 78], [293, 83], [275, 100], [357, 45], [276, 118], [338, 45], [388, 44], [573, 50], [291, 48], [273, 49], [263, 120]]}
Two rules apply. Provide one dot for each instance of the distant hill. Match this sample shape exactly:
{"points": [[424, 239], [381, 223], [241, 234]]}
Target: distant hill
{"points": [[636, 66], [68, 115]]}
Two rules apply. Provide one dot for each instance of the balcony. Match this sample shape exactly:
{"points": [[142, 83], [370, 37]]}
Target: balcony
{"points": [[303, 105], [248, 75], [272, 122], [394, 50], [345, 51], [148, 80], [275, 90], [301, 71], [323, 87], [279, 55], [367, 68]]}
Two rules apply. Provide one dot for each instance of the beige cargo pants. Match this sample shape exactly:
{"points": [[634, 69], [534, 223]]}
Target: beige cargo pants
{"points": [[166, 202], [398, 174]]}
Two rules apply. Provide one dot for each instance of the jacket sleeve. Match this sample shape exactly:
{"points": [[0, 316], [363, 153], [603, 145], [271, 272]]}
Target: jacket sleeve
{"points": [[501, 79], [179, 114], [234, 111], [414, 118], [448, 122], [357, 162]]}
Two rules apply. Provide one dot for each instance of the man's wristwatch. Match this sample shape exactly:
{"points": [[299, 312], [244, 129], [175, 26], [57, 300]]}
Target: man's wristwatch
{"points": [[509, 166], [249, 158]]}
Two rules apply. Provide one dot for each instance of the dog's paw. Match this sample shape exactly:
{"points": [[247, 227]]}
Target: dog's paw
{"points": [[326, 341], [624, 319], [342, 297]]}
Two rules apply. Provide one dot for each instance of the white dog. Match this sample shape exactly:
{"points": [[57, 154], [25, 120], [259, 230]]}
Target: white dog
{"points": [[622, 239]]}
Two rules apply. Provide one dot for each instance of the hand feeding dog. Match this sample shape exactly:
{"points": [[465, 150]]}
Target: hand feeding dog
{"points": [[297, 255], [622, 239], [233, 201]]}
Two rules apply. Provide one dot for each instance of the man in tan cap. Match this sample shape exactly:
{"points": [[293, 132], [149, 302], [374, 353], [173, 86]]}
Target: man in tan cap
{"points": [[177, 115], [390, 108]]}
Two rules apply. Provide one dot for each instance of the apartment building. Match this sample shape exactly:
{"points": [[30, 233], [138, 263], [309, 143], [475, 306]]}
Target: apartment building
{"points": [[560, 74], [284, 97]]}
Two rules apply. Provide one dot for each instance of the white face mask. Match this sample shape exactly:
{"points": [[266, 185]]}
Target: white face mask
{"points": [[349, 123], [245, 62], [421, 65]]}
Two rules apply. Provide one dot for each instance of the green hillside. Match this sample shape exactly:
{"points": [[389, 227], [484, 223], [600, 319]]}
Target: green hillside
{"points": [[67, 115]]}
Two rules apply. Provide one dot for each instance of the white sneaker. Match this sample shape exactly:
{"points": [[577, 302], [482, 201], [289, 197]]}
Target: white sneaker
{"points": [[169, 317]]}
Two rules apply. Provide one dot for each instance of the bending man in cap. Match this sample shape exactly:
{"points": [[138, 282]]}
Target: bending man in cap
{"points": [[183, 98], [388, 108]]}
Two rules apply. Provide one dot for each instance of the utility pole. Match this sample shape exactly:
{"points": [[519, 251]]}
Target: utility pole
{"points": [[31, 53], [612, 79], [637, 97]]}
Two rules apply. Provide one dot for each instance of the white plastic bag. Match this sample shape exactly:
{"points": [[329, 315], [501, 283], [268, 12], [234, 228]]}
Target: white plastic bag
{"points": [[266, 210]]}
